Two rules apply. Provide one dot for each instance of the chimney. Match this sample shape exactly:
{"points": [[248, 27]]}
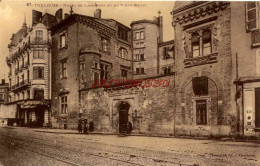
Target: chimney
{"points": [[66, 15], [161, 28], [36, 17], [58, 15], [97, 13]]}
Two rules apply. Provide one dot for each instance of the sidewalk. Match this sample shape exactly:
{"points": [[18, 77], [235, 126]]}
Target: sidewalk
{"points": [[69, 131]]}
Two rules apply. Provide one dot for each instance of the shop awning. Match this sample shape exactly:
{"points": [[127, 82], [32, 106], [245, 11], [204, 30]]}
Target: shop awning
{"points": [[34, 103], [8, 111]]}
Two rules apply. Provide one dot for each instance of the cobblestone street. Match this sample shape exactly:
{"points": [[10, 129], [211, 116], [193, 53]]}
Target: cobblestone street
{"points": [[24, 146]]}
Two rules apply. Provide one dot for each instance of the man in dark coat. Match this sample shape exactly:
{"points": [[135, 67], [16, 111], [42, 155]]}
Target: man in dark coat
{"points": [[79, 126]]}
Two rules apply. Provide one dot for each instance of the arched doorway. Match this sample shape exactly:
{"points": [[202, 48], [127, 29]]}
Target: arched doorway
{"points": [[123, 110]]}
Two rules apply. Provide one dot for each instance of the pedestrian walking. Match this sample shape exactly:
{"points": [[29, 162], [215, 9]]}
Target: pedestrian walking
{"points": [[79, 126], [91, 126], [129, 128], [85, 126]]}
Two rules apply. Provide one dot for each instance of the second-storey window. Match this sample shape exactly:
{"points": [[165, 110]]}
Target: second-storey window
{"points": [[195, 42], [201, 43], [64, 69], [38, 72], [251, 15], [206, 42]]}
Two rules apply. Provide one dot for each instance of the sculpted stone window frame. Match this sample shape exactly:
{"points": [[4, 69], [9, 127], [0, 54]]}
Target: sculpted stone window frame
{"points": [[201, 42]]}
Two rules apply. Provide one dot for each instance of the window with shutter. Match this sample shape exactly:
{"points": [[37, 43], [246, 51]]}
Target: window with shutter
{"points": [[251, 15], [200, 85]]}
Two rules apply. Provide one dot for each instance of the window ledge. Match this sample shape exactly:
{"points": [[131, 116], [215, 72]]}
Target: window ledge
{"points": [[201, 60]]}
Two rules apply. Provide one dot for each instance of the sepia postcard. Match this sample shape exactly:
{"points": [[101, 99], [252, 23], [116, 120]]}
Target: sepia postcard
{"points": [[129, 83]]}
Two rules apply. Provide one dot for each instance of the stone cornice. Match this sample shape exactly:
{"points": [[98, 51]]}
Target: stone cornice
{"points": [[195, 13], [86, 20]]}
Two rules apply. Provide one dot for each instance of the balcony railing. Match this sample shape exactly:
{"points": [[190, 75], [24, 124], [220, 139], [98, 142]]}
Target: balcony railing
{"points": [[21, 84], [40, 41]]}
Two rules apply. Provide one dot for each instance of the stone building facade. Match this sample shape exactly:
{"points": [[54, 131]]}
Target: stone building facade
{"points": [[203, 68], [86, 51], [29, 72]]}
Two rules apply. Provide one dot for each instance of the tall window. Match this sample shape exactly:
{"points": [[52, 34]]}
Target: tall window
{"points": [[201, 43], [124, 73], [39, 35], [1, 97], [104, 71], [201, 112], [122, 34], [137, 35], [142, 35], [195, 42], [104, 44], [62, 40], [38, 54], [122, 53], [64, 69], [206, 42], [96, 76], [82, 65], [64, 105], [38, 72], [28, 94], [251, 15]]}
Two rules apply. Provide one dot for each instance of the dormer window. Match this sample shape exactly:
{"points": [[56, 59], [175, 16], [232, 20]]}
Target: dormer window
{"points": [[39, 35]]}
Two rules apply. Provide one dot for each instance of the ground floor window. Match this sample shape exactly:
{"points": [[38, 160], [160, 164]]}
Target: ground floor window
{"points": [[64, 105], [201, 112]]}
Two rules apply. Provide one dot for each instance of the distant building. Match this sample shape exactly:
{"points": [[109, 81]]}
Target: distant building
{"points": [[29, 63], [4, 90]]}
